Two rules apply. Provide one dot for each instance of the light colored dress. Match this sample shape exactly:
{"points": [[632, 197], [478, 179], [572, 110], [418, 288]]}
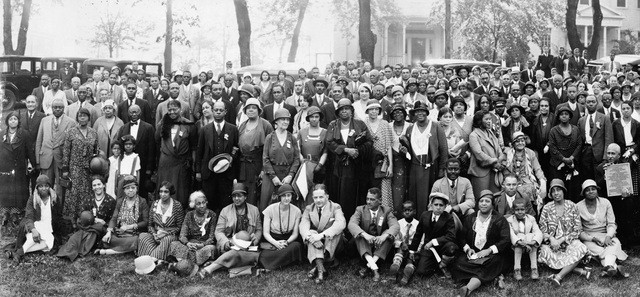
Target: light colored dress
{"points": [[567, 227], [601, 224], [382, 141]]}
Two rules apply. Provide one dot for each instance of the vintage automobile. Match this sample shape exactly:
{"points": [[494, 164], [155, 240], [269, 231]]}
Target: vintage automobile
{"points": [[52, 65], [90, 65], [19, 75], [457, 64], [290, 68], [148, 67]]}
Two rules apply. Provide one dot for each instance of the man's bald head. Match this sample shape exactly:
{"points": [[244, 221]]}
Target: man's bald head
{"points": [[614, 147]]}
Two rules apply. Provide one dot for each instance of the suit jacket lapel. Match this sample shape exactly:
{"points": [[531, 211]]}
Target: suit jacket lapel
{"points": [[366, 218], [324, 219]]}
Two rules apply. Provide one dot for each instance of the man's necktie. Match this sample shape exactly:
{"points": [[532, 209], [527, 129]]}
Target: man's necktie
{"points": [[406, 234], [218, 128]]}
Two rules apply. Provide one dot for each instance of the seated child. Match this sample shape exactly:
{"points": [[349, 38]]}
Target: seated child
{"points": [[525, 237]]}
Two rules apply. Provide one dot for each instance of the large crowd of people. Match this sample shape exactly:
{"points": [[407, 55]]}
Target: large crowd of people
{"points": [[453, 171]]}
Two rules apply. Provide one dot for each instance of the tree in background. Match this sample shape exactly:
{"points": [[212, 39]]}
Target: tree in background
{"points": [[572, 29], [244, 31], [366, 38], [500, 29], [22, 7], [116, 32], [174, 29], [629, 44], [283, 24]]}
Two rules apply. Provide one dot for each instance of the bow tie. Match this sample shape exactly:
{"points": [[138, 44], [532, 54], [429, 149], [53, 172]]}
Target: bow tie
{"points": [[134, 123]]}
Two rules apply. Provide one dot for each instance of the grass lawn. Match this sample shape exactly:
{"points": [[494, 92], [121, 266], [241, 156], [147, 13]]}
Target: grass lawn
{"points": [[44, 275]]}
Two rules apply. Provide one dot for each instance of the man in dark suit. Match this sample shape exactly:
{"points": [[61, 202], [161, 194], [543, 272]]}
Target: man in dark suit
{"points": [[216, 93], [66, 73], [72, 92], [154, 95], [320, 98], [439, 249], [485, 85], [145, 146], [278, 102], [463, 75], [545, 62], [576, 63], [31, 123], [329, 110], [528, 74], [503, 200], [558, 61], [619, 133], [606, 108], [219, 137], [310, 85], [40, 90], [597, 133], [515, 77], [131, 100], [373, 227], [557, 95], [115, 91], [230, 93]]}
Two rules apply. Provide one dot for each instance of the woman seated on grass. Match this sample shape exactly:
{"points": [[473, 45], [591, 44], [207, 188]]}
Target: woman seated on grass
{"points": [[560, 225], [486, 238], [238, 228], [37, 230], [166, 216], [130, 216], [197, 241], [599, 229], [281, 245]]}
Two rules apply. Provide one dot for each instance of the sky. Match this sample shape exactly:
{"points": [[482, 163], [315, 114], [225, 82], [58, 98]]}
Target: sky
{"points": [[65, 28]]}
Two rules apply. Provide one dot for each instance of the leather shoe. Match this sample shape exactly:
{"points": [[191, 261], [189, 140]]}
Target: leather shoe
{"points": [[321, 277], [534, 274], [622, 272], [395, 267], [376, 276], [446, 272], [403, 281], [517, 274], [362, 272], [611, 271], [312, 272], [463, 292]]}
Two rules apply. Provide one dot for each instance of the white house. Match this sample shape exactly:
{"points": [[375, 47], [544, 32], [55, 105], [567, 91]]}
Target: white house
{"points": [[412, 39]]}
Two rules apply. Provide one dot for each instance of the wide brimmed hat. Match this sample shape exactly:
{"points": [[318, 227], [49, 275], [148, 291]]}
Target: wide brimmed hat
{"points": [[144, 264], [522, 110], [419, 105], [129, 180], [342, 78], [530, 84], [207, 84], [397, 89], [517, 135], [441, 92], [458, 99], [286, 188], [314, 110], [588, 183], [544, 80], [486, 193], [563, 109], [322, 81], [494, 89], [247, 89], [43, 180], [242, 239], [556, 182], [239, 188], [399, 107], [282, 113], [184, 268], [220, 163], [374, 103], [252, 101], [626, 84], [437, 195], [412, 81], [344, 103]]}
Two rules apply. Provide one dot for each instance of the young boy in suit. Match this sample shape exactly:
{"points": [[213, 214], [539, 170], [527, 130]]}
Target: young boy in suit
{"points": [[525, 237]]}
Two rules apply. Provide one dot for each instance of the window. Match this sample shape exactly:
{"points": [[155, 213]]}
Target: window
{"points": [[622, 3], [584, 2], [4, 67], [546, 39], [638, 3]]}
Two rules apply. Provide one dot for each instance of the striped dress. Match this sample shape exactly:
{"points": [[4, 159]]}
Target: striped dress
{"points": [[171, 223]]}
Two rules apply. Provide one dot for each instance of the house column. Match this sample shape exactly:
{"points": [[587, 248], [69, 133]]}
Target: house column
{"points": [[385, 44], [618, 34], [586, 33], [604, 39], [404, 44]]}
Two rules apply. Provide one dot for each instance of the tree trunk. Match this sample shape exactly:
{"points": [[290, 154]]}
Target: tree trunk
{"points": [[296, 32], [572, 28], [244, 31], [168, 40], [22, 31], [592, 49], [366, 37], [447, 29]]}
